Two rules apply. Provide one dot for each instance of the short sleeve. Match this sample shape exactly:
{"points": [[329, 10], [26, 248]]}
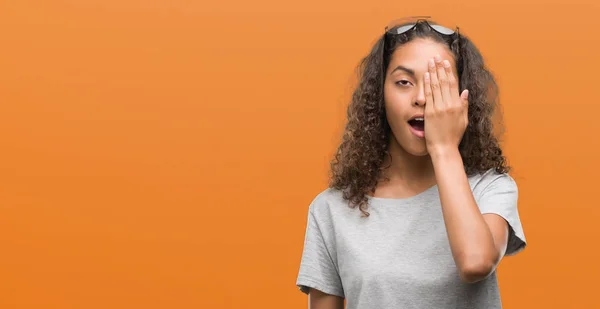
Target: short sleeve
{"points": [[500, 197], [317, 267]]}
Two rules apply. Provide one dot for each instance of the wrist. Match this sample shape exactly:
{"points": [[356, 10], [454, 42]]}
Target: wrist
{"points": [[444, 153]]}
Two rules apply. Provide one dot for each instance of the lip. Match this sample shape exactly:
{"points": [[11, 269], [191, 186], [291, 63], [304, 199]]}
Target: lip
{"points": [[417, 133], [416, 116]]}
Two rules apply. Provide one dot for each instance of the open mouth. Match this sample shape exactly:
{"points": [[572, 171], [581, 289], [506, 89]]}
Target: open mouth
{"points": [[418, 123]]}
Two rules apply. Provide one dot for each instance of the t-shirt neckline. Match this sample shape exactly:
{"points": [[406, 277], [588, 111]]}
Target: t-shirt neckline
{"points": [[401, 200]]}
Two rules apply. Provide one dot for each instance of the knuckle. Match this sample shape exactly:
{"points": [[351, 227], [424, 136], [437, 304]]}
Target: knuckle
{"points": [[452, 81]]}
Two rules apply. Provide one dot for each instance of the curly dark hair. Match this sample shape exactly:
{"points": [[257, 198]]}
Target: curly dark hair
{"points": [[357, 164]]}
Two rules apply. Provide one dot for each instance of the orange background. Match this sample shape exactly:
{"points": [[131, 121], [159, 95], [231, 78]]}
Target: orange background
{"points": [[162, 154]]}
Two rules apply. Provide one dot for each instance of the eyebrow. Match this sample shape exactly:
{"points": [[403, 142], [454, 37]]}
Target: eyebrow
{"points": [[405, 69]]}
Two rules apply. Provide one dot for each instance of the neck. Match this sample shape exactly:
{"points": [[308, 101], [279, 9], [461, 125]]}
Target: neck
{"points": [[404, 168]]}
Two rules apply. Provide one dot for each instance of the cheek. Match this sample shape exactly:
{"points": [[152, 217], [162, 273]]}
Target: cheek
{"points": [[396, 104], [395, 113]]}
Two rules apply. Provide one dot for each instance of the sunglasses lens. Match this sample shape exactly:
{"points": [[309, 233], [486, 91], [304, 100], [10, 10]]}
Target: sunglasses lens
{"points": [[402, 29], [442, 30], [403, 25]]}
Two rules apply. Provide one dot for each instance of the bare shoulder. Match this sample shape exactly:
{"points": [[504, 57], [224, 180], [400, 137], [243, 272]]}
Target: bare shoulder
{"points": [[320, 300]]}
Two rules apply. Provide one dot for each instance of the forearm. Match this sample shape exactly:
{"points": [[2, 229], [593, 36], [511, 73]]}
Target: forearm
{"points": [[470, 238]]}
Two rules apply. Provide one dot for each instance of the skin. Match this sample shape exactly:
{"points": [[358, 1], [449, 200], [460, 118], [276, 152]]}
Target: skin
{"points": [[320, 300], [424, 85]]}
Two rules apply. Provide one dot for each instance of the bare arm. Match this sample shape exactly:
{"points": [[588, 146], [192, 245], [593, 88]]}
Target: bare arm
{"points": [[320, 300], [478, 242]]}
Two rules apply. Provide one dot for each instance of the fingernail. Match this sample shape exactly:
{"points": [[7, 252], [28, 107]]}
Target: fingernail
{"points": [[426, 76], [438, 58], [447, 63], [431, 64]]}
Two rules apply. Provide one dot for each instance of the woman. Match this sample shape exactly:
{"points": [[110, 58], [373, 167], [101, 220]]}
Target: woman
{"points": [[420, 209]]}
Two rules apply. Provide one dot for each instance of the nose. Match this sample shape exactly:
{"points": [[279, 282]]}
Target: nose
{"points": [[421, 100]]}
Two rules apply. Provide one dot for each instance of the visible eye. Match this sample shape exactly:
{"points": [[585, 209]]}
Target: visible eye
{"points": [[403, 83]]}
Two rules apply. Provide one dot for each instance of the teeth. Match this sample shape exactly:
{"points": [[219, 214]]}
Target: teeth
{"points": [[419, 119]]}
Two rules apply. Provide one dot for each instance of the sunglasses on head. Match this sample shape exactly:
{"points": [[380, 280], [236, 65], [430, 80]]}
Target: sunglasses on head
{"points": [[402, 25]]}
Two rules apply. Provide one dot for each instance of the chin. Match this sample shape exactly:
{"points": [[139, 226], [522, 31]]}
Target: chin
{"points": [[411, 145], [417, 151], [413, 148]]}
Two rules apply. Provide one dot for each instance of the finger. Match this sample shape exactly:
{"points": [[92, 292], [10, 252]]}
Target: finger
{"points": [[464, 97], [452, 82], [443, 81], [428, 92], [435, 85]]}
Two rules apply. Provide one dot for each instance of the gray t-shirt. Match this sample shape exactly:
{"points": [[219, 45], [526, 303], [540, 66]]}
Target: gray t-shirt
{"points": [[399, 256]]}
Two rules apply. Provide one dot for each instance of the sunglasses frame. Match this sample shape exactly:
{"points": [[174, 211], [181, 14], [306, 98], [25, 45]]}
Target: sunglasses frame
{"points": [[413, 21]]}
